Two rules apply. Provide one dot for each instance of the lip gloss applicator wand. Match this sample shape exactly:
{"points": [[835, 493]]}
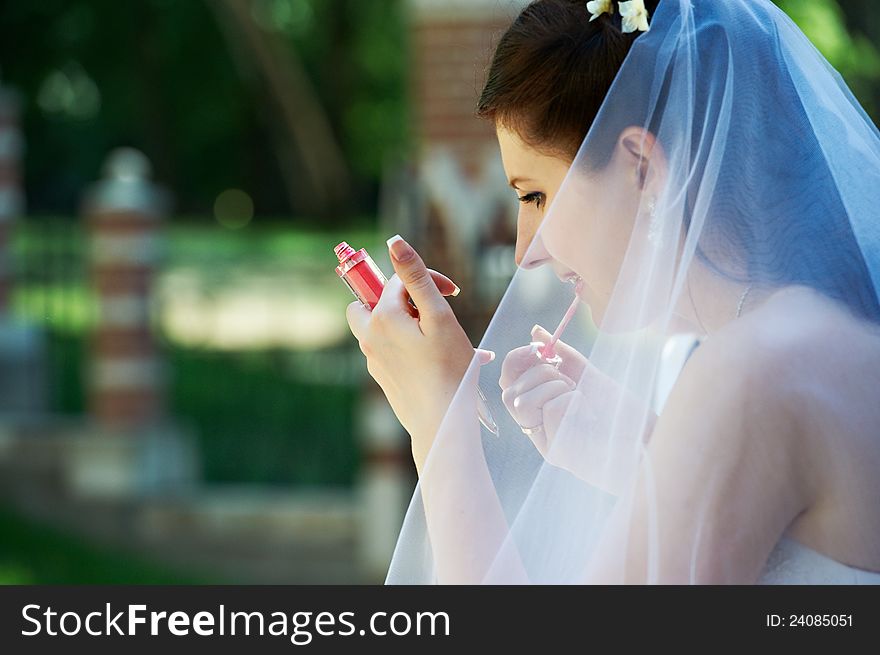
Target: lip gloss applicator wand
{"points": [[547, 352]]}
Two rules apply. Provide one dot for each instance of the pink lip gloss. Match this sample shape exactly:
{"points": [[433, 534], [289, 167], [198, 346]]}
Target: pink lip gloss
{"points": [[358, 270]]}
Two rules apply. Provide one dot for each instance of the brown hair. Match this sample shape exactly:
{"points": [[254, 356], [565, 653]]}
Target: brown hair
{"points": [[551, 71]]}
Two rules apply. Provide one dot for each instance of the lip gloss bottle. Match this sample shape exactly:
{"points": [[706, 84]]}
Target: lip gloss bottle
{"points": [[358, 270]]}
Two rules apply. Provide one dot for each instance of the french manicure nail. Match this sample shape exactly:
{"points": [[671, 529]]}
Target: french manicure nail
{"points": [[400, 250], [457, 290]]}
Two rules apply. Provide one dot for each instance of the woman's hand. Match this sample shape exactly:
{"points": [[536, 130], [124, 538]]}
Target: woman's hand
{"points": [[538, 396], [418, 358]]}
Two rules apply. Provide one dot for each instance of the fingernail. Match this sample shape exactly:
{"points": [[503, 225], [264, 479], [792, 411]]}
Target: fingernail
{"points": [[400, 250], [483, 351], [535, 328], [457, 290]]}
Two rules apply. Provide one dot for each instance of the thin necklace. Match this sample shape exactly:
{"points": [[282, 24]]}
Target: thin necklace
{"points": [[742, 300], [694, 305]]}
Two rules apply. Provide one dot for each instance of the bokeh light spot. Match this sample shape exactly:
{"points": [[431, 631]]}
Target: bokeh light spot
{"points": [[233, 209]]}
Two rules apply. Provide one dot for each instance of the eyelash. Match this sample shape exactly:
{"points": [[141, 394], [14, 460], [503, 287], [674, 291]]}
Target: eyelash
{"points": [[537, 197]]}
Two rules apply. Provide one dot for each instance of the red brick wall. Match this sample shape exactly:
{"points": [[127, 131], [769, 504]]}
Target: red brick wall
{"points": [[451, 46]]}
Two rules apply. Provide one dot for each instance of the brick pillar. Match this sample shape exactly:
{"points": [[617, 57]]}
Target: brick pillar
{"points": [[11, 195], [458, 163], [124, 213]]}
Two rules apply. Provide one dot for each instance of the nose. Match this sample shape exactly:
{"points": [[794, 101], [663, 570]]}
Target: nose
{"points": [[530, 252]]}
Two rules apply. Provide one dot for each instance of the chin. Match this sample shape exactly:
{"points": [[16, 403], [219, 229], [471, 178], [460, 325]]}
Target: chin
{"points": [[611, 322]]}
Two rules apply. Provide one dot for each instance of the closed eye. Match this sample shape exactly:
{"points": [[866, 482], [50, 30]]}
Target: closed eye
{"points": [[535, 197]]}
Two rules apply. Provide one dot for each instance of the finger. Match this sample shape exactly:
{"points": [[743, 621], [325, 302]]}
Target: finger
{"points": [[484, 356], [444, 285], [517, 362], [532, 379], [520, 360], [536, 398], [540, 334], [528, 408], [573, 361], [358, 317], [535, 376], [398, 294], [394, 308], [398, 297], [416, 278]]}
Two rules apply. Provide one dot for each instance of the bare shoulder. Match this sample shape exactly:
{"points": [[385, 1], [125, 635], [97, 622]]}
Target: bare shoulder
{"points": [[794, 339], [792, 371], [804, 373], [824, 369], [779, 410], [753, 371]]}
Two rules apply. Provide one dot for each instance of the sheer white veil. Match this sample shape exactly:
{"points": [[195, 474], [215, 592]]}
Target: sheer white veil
{"points": [[771, 178]]}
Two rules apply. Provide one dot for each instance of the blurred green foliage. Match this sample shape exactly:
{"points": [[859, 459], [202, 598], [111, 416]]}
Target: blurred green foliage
{"points": [[256, 424], [851, 51], [31, 553], [253, 421], [163, 77]]}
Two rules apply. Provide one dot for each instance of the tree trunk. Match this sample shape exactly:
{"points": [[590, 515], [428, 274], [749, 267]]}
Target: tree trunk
{"points": [[306, 125]]}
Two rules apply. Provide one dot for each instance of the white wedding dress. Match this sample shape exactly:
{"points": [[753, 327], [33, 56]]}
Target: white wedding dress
{"points": [[790, 562]]}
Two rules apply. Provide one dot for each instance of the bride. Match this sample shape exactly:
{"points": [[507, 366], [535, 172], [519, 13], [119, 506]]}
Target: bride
{"points": [[698, 196]]}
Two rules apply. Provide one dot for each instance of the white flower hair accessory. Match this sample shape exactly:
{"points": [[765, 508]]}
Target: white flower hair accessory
{"points": [[635, 16], [599, 7]]}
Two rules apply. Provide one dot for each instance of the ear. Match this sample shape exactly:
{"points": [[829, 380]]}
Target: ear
{"points": [[644, 154]]}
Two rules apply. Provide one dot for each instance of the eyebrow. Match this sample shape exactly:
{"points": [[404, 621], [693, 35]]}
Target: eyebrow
{"points": [[517, 180]]}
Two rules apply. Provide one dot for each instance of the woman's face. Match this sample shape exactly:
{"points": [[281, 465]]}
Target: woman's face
{"points": [[590, 226]]}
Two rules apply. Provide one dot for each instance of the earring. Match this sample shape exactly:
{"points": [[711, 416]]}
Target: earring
{"points": [[655, 229]]}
